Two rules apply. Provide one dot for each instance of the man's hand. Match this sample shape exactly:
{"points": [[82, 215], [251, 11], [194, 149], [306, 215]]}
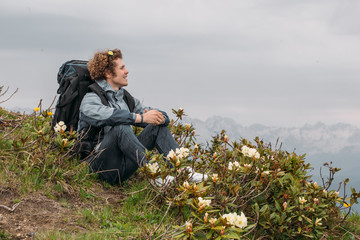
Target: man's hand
{"points": [[153, 117]]}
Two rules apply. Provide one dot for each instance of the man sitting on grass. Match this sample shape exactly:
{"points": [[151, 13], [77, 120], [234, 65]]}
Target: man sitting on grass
{"points": [[121, 152]]}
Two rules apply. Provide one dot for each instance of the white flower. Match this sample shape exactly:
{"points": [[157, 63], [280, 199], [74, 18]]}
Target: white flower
{"points": [[247, 165], [203, 203], [186, 185], [233, 166], [154, 167], [212, 221], [250, 152], [171, 155], [60, 126], [302, 200], [266, 172], [57, 128], [317, 222], [236, 220]]}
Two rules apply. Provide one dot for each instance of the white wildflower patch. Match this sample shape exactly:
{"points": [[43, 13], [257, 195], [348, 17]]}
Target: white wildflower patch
{"points": [[235, 220], [250, 152]]}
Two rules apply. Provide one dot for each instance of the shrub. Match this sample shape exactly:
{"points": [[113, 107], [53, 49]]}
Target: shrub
{"points": [[248, 190]]}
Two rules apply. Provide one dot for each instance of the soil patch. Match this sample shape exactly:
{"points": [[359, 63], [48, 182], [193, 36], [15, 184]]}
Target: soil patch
{"points": [[36, 212]]}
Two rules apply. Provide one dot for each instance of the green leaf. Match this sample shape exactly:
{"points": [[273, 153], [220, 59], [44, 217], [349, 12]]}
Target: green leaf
{"points": [[264, 208], [231, 234]]}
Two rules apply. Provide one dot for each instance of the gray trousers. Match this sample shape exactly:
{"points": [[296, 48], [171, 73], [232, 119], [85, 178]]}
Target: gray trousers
{"points": [[122, 152]]}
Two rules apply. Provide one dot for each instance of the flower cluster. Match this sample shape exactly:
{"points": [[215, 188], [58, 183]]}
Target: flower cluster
{"points": [[302, 200], [179, 153], [60, 127], [203, 203], [235, 220], [234, 166], [153, 167], [250, 152]]}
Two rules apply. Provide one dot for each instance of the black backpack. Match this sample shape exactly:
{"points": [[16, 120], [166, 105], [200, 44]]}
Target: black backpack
{"points": [[74, 82]]}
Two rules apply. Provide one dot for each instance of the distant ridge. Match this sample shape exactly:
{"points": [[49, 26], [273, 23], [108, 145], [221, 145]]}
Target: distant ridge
{"points": [[311, 138]]}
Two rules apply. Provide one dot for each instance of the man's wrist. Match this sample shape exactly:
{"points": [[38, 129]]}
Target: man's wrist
{"points": [[142, 118]]}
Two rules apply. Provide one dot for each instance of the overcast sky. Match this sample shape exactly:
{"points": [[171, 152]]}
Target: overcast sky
{"points": [[274, 62]]}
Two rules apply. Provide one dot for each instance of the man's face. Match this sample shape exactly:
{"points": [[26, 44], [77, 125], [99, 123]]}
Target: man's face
{"points": [[119, 79]]}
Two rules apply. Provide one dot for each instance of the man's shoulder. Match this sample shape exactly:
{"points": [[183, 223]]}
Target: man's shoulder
{"points": [[90, 98]]}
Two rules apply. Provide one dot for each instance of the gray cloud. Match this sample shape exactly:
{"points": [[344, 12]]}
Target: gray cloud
{"points": [[272, 62]]}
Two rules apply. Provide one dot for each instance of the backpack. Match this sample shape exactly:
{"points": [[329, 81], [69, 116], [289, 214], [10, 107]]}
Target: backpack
{"points": [[74, 82]]}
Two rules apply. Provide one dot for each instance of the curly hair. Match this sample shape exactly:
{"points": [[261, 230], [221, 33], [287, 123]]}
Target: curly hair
{"points": [[102, 62]]}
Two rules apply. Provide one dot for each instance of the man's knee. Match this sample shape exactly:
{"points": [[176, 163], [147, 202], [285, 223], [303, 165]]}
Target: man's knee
{"points": [[121, 130]]}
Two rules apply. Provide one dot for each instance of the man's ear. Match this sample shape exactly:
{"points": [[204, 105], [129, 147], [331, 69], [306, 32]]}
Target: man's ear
{"points": [[108, 74]]}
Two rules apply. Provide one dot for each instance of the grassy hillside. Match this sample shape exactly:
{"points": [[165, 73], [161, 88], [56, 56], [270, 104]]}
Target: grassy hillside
{"points": [[253, 191]]}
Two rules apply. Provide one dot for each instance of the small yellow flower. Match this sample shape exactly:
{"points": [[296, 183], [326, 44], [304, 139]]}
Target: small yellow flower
{"points": [[36, 109], [110, 53], [49, 113], [346, 204]]}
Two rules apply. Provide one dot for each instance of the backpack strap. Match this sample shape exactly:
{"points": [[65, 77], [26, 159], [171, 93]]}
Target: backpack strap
{"points": [[129, 100], [100, 92]]}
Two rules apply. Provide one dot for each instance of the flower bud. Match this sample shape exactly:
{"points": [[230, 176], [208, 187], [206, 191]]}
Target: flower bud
{"points": [[226, 138], [186, 185], [215, 177], [285, 206], [212, 221], [316, 201], [188, 225], [206, 217], [222, 230], [187, 126]]}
